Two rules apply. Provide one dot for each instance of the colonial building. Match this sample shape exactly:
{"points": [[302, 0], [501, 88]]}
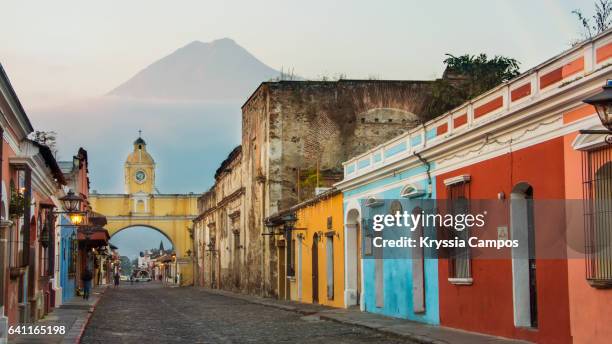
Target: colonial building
{"points": [[31, 184], [517, 146], [219, 235], [295, 134], [405, 287]]}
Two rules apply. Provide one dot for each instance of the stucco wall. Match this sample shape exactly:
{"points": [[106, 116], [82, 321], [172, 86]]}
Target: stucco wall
{"points": [[397, 281], [464, 306], [589, 307], [313, 219]]}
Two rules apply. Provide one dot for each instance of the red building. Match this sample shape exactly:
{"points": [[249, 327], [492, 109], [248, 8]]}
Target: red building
{"points": [[519, 145]]}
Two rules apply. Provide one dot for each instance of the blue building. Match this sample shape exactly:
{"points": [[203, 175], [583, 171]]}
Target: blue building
{"points": [[397, 282], [68, 259]]}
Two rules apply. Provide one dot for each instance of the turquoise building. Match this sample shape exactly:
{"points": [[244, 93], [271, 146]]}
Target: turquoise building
{"points": [[397, 282], [67, 259]]}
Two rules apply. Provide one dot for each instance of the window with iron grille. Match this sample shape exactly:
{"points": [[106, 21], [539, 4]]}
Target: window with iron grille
{"points": [[597, 192], [459, 257]]}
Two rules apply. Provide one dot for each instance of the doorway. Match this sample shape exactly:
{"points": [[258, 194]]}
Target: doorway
{"points": [[418, 270], [524, 280], [315, 268], [353, 258]]}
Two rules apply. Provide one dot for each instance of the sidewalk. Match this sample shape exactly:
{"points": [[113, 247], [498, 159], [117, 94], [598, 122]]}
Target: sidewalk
{"points": [[417, 332], [73, 315]]}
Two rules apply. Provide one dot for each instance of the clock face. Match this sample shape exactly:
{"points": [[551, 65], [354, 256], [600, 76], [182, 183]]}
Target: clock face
{"points": [[140, 176]]}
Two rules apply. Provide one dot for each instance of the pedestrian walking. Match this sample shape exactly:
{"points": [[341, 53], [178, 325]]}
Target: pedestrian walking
{"points": [[117, 278], [86, 277]]}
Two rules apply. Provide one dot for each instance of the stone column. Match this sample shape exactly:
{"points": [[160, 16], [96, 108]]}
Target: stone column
{"points": [[4, 228]]}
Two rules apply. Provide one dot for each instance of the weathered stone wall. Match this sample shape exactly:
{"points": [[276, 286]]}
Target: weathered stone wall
{"points": [[329, 122], [219, 230], [293, 126]]}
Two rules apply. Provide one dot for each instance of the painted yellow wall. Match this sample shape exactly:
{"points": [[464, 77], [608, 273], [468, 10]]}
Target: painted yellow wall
{"points": [[171, 214], [314, 219]]}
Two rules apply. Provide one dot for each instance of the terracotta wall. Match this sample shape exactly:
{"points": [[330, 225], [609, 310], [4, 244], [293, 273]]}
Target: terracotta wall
{"points": [[471, 307], [590, 308]]}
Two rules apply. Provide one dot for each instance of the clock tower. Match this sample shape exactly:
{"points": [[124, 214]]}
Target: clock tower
{"points": [[139, 170]]}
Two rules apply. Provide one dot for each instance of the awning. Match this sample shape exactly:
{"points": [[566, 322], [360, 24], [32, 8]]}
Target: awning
{"points": [[96, 234], [97, 219]]}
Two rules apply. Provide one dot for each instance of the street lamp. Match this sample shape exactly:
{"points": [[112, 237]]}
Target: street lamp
{"points": [[71, 202], [175, 268], [602, 102], [76, 218]]}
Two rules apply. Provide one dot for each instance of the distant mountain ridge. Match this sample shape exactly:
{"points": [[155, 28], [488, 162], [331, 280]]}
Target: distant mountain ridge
{"points": [[218, 70]]}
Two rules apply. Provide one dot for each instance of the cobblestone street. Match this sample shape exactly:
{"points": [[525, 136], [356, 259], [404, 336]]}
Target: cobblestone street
{"points": [[151, 313]]}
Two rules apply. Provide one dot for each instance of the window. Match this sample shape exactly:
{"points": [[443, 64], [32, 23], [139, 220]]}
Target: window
{"points": [[459, 257], [290, 247], [597, 189]]}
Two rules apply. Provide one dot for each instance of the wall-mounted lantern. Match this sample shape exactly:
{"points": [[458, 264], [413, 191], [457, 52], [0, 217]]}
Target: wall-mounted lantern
{"points": [[71, 202], [602, 102]]}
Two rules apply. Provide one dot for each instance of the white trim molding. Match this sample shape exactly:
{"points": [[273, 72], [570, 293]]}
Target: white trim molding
{"points": [[464, 178]]}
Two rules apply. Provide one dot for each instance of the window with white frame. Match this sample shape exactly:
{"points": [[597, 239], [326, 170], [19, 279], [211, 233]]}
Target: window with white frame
{"points": [[459, 257]]}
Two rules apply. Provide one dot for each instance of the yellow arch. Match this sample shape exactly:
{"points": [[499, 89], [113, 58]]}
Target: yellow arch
{"points": [[172, 215]]}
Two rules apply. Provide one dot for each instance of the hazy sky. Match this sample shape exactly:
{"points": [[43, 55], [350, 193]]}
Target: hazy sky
{"points": [[62, 56], [58, 51]]}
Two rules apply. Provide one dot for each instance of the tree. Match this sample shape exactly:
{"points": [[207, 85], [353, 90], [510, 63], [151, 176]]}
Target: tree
{"points": [[467, 76], [126, 266], [599, 22]]}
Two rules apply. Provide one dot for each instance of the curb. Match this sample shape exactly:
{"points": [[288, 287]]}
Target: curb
{"points": [[416, 338], [389, 331], [77, 340]]}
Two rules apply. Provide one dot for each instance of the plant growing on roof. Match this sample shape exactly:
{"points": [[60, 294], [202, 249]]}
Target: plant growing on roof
{"points": [[599, 22], [466, 77]]}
